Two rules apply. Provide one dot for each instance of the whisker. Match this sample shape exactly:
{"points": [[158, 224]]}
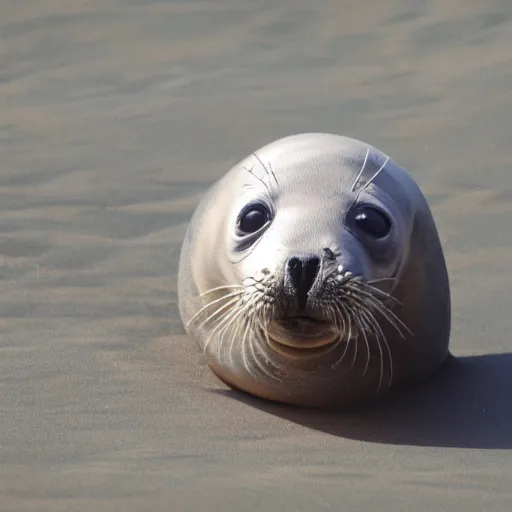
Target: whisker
{"points": [[244, 343], [377, 291], [273, 173], [381, 336], [344, 352], [263, 315], [391, 371], [335, 318], [269, 173], [212, 303], [353, 188], [391, 317], [232, 318], [379, 346], [241, 313], [364, 329], [387, 313], [367, 184], [218, 310], [218, 288], [356, 344], [244, 358], [224, 323], [346, 316], [250, 171], [258, 362]]}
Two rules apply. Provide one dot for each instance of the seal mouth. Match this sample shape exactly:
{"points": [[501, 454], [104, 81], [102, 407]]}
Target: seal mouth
{"points": [[301, 337]]}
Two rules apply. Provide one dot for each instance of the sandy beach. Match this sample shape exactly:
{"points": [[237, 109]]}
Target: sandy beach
{"points": [[115, 117]]}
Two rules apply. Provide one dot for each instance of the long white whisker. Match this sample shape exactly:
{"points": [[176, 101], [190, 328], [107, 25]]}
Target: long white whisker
{"points": [[231, 319], [257, 361], [377, 304], [227, 320], [223, 287], [353, 188], [367, 184], [381, 336], [223, 324], [245, 322], [346, 316], [364, 328], [390, 316], [356, 344], [373, 290], [244, 342], [379, 346], [348, 341], [212, 303], [335, 319], [218, 310], [391, 371]]}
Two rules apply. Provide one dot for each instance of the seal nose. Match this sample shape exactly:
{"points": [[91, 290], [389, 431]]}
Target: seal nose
{"points": [[302, 273]]}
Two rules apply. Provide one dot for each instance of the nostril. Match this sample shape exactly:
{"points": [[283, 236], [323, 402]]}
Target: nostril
{"points": [[295, 271], [310, 272], [302, 274]]}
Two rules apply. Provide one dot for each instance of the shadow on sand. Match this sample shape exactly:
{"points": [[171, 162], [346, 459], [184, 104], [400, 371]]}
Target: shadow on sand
{"points": [[466, 405]]}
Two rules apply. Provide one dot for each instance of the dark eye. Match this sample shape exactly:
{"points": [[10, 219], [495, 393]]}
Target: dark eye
{"points": [[253, 219], [372, 222]]}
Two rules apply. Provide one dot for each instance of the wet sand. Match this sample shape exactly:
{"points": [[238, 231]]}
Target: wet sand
{"points": [[115, 116]]}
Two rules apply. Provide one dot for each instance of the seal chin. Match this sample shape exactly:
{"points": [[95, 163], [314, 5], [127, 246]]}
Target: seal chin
{"points": [[302, 337]]}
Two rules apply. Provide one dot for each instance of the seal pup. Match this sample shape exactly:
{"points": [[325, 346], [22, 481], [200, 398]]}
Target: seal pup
{"points": [[312, 274]]}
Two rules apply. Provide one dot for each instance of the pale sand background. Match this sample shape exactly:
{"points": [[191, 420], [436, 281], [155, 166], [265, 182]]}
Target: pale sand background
{"points": [[115, 116]]}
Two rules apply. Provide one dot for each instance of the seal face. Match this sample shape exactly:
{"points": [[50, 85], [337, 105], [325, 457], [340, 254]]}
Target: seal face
{"points": [[312, 274]]}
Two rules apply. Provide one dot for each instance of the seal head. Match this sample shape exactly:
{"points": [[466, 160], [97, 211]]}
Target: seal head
{"points": [[312, 274]]}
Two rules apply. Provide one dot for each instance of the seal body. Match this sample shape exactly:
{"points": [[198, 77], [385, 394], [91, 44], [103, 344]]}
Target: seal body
{"points": [[312, 274]]}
